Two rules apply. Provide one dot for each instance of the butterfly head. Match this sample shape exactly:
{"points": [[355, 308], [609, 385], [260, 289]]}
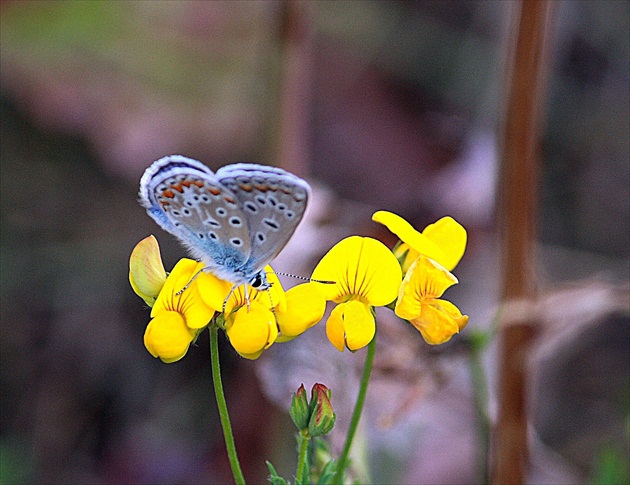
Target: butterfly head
{"points": [[259, 281]]}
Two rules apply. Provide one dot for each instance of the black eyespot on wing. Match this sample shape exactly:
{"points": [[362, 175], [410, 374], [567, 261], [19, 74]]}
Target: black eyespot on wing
{"points": [[213, 235], [235, 241], [236, 222], [251, 207], [271, 223]]}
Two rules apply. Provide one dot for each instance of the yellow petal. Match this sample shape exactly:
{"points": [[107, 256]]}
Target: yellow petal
{"points": [[359, 325], [439, 321], [359, 266], [450, 236], [146, 271], [189, 303], [252, 331], [168, 337], [178, 278], [212, 290], [253, 356], [334, 328], [276, 294], [405, 255], [443, 241], [305, 306], [425, 279]]}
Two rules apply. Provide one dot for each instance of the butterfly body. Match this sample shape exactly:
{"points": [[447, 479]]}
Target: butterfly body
{"points": [[235, 220]]}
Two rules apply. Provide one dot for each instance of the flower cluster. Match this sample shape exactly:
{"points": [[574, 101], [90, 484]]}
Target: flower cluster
{"points": [[252, 323], [364, 274]]}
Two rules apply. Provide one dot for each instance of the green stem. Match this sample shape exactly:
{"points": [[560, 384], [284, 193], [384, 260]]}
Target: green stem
{"points": [[480, 399], [358, 409], [304, 440], [222, 405]]}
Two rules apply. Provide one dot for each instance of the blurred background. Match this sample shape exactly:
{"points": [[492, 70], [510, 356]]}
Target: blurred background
{"points": [[380, 105]]}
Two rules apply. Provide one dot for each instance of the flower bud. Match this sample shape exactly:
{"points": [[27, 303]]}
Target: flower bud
{"points": [[300, 409], [322, 417]]}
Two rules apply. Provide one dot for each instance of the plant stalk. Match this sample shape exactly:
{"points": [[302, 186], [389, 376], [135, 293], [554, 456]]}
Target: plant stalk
{"points": [[222, 405], [358, 409], [304, 440]]}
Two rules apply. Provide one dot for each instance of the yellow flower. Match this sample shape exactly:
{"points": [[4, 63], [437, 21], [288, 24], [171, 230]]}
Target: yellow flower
{"points": [[366, 274], [178, 317], [253, 320], [255, 328], [146, 271], [419, 301], [443, 241], [251, 330], [250, 323]]}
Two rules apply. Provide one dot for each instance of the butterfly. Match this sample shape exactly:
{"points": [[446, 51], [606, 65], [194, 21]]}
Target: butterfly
{"points": [[235, 220]]}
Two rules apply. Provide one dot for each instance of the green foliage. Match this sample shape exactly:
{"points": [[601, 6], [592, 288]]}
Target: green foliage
{"points": [[611, 468], [273, 477]]}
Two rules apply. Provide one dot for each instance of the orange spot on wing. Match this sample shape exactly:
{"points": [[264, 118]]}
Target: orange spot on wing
{"points": [[178, 187], [262, 188], [229, 199], [214, 191], [246, 187], [168, 193]]}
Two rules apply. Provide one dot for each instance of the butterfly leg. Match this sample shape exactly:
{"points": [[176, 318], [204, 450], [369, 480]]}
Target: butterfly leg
{"points": [[191, 281], [247, 296]]}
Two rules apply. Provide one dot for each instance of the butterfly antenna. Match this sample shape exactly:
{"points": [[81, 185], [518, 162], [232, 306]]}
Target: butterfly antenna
{"points": [[304, 278]]}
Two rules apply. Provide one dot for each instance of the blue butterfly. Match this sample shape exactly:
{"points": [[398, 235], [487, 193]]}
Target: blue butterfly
{"points": [[235, 220]]}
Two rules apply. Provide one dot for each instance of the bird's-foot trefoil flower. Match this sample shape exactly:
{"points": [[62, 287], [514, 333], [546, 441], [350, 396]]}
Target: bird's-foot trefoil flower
{"points": [[443, 241], [366, 274], [249, 319], [178, 317], [190, 297], [272, 315], [419, 301]]}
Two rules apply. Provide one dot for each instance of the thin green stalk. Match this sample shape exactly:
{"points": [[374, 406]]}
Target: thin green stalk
{"points": [[304, 440], [223, 411], [480, 400], [358, 409]]}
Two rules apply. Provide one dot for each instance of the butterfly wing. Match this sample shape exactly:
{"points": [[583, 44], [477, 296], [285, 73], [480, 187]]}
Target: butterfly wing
{"points": [[273, 202], [186, 199]]}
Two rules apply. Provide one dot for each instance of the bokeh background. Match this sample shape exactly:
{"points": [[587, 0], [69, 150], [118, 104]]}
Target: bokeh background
{"points": [[381, 105]]}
